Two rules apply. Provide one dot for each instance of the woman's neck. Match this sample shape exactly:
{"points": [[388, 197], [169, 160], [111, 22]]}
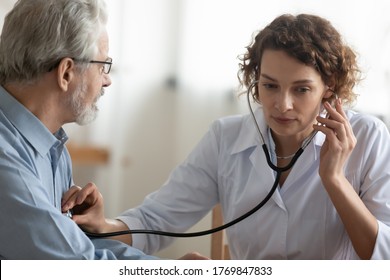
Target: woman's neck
{"points": [[287, 146]]}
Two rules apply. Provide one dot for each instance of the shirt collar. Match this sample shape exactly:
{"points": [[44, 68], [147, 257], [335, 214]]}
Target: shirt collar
{"points": [[32, 129]]}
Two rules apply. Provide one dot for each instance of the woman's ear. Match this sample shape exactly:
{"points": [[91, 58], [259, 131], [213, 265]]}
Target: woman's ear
{"points": [[329, 96], [329, 93], [65, 73], [330, 85]]}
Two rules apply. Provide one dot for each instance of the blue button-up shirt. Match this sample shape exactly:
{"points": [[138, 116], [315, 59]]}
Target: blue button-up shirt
{"points": [[35, 171]]}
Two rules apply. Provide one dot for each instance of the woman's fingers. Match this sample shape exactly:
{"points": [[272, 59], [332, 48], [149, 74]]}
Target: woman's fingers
{"points": [[77, 196], [68, 199], [336, 127]]}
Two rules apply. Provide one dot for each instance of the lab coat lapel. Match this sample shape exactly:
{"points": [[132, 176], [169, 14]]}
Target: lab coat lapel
{"points": [[248, 138], [266, 175]]}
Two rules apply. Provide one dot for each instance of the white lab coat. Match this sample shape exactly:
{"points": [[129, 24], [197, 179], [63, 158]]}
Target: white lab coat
{"points": [[299, 221]]}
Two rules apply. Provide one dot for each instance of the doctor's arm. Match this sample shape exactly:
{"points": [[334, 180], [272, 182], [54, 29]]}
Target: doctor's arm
{"points": [[360, 223], [88, 212], [188, 195]]}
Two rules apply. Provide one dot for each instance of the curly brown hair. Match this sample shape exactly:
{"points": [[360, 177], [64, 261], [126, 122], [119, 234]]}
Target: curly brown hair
{"points": [[313, 41]]}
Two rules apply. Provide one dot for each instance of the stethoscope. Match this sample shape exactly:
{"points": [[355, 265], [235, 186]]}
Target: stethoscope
{"points": [[278, 171]]}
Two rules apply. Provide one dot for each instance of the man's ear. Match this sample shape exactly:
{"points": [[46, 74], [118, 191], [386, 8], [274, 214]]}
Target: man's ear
{"points": [[65, 73]]}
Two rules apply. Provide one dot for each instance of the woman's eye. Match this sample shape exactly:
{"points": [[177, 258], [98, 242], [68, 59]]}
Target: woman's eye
{"points": [[303, 89], [269, 86]]}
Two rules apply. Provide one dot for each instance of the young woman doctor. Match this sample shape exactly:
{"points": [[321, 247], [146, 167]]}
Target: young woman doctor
{"points": [[332, 204]]}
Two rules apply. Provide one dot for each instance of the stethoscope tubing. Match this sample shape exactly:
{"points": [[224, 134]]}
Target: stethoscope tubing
{"points": [[199, 233], [278, 170]]}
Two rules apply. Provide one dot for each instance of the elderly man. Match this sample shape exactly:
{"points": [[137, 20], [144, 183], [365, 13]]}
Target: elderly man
{"points": [[54, 66]]}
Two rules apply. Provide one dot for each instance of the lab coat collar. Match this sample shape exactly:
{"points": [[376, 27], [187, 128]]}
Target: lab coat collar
{"points": [[248, 136]]}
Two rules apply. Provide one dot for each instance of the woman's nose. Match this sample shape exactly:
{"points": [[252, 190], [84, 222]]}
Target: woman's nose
{"points": [[284, 102]]}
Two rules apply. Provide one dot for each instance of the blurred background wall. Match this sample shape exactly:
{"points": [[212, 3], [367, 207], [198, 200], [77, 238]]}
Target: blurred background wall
{"points": [[175, 65]]}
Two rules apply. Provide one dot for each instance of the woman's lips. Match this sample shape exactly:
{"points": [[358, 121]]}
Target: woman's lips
{"points": [[283, 120]]}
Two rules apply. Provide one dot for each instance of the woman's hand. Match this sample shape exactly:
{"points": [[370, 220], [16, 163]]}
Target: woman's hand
{"points": [[87, 207], [360, 224], [339, 143]]}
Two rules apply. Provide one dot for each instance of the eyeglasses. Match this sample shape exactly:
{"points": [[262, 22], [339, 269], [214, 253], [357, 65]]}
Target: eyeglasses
{"points": [[106, 64], [105, 69]]}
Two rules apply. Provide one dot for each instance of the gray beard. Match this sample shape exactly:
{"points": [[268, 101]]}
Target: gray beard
{"points": [[84, 114]]}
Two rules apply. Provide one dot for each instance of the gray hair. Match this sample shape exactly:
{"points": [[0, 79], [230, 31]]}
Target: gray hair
{"points": [[38, 34]]}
